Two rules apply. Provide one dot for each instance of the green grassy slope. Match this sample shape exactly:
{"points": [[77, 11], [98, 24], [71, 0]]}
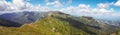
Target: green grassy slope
{"points": [[59, 24], [47, 26]]}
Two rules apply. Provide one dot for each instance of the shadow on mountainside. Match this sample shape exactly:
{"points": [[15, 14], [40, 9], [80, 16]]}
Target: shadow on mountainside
{"points": [[77, 24], [7, 23]]}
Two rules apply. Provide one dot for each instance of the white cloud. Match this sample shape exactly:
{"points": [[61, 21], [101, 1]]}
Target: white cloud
{"points": [[80, 8], [76, 10], [102, 10], [84, 6], [103, 5], [56, 3], [8, 6], [71, 8], [30, 7], [3, 4], [17, 5], [83, 9], [117, 3], [18, 2]]}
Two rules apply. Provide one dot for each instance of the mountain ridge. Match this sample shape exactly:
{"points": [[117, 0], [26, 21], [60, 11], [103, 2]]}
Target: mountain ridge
{"points": [[59, 23]]}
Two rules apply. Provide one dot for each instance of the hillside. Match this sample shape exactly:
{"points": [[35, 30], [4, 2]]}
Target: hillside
{"points": [[7, 23], [58, 23], [47, 26], [24, 17]]}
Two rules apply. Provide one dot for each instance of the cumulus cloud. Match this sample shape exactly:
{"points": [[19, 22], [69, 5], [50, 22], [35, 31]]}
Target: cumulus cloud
{"points": [[81, 9], [85, 10], [84, 6], [104, 5], [18, 2], [117, 3], [102, 10], [18, 5], [4, 4], [30, 7], [55, 3]]}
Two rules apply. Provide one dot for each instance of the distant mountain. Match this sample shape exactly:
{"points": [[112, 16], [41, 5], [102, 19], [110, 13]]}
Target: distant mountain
{"points": [[24, 17], [110, 22]]}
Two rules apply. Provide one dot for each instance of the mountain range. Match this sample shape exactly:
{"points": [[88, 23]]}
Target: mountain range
{"points": [[53, 23]]}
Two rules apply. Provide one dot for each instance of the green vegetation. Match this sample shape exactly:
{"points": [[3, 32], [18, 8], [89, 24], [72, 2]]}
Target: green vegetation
{"points": [[116, 32], [61, 24], [46, 26]]}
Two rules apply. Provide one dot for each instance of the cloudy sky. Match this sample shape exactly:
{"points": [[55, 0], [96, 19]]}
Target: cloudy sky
{"points": [[98, 8]]}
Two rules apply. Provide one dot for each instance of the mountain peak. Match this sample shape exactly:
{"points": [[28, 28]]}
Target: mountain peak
{"points": [[56, 12]]}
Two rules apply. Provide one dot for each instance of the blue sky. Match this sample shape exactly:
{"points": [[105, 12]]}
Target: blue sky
{"points": [[92, 3], [95, 8], [75, 7]]}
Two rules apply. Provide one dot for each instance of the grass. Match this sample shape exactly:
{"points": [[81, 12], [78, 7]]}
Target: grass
{"points": [[46, 26]]}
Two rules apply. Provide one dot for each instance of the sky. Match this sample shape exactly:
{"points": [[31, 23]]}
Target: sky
{"points": [[97, 8]]}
